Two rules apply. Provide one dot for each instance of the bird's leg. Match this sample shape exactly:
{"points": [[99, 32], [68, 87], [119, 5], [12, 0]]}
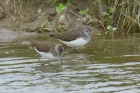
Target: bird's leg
{"points": [[42, 64], [61, 60]]}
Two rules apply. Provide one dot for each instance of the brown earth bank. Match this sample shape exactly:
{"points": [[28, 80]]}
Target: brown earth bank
{"points": [[21, 19]]}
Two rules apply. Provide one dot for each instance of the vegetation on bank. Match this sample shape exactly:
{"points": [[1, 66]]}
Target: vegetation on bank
{"points": [[111, 15]]}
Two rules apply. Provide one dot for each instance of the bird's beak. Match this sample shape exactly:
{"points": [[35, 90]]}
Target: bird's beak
{"points": [[61, 59], [92, 38]]}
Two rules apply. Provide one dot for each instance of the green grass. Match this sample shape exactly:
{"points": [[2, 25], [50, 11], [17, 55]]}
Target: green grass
{"points": [[120, 14]]}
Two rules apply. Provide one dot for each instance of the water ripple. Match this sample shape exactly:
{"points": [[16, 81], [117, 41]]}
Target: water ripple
{"points": [[81, 72]]}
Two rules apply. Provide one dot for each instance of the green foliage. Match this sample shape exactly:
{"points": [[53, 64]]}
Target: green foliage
{"points": [[40, 13], [109, 16], [60, 8], [83, 12], [30, 1], [19, 0], [105, 13], [110, 28], [125, 14], [61, 17]]}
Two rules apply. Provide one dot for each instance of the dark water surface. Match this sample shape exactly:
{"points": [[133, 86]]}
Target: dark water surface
{"points": [[102, 66]]}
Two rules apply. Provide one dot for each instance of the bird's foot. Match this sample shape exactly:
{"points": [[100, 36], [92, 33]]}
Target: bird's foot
{"points": [[42, 64]]}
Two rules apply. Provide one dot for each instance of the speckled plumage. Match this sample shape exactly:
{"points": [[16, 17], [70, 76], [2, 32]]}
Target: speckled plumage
{"points": [[48, 48], [73, 36]]}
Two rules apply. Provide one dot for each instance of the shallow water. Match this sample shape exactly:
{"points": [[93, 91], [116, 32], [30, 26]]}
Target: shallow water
{"points": [[102, 66]]}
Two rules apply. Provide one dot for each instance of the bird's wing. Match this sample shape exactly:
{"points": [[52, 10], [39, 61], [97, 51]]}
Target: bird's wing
{"points": [[68, 36], [41, 46]]}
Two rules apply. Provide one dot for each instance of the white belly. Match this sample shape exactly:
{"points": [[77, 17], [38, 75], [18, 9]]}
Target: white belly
{"points": [[76, 43], [48, 56]]}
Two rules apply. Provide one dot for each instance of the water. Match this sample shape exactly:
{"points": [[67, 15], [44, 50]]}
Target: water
{"points": [[102, 66]]}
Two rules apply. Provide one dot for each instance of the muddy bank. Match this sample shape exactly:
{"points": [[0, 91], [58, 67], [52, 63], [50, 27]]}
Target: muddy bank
{"points": [[23, 20]]}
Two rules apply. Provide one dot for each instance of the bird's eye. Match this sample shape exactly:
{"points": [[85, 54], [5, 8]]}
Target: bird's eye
{"points": [[86, 29]]}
